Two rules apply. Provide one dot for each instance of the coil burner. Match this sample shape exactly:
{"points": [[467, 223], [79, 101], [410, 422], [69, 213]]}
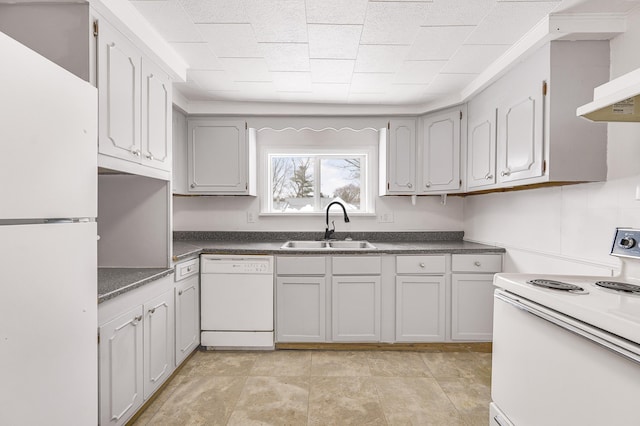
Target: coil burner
{"points": [[621, 287], [558, 285]]}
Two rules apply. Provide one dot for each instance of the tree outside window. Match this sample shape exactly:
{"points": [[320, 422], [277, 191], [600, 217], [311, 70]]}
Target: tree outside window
{"points": [[308, 183]]}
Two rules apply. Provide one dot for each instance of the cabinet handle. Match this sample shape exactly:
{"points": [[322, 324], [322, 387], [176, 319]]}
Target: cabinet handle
{"points": [[152, 311], [189, 268], [505, 173], [488, 176], [180, 293], [150, 156], [136, 320], [477, 263], [135, 152], [428, 184], [422, 265], [409, 185], [193, 185]]}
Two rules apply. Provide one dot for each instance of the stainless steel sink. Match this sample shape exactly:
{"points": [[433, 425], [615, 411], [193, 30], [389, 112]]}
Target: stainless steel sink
{"points": [[328, 245], [351, 245], [305, 245]]}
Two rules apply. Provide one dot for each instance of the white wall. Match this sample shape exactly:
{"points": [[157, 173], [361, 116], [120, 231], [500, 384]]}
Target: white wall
{"points": [[569, 229], [230, 214]]}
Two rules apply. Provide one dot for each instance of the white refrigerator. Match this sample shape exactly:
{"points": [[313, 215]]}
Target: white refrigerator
{"points": [[48, 242]]}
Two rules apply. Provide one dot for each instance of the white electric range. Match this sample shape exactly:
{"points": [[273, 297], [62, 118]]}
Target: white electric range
{"points": [[566, 349]]}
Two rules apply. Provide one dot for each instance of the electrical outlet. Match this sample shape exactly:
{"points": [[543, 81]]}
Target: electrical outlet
{"points": [[251, 217], [385, 217]]}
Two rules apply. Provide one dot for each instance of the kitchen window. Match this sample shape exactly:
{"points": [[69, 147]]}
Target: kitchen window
{"points": [[303, 178]]}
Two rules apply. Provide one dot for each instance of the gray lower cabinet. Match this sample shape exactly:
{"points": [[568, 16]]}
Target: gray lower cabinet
{"points": [[355, 298], [420, 308], [301, 309], [301, 299], [121, 375], [187, 297], [472, 295], [420, 298], [355, 314]]}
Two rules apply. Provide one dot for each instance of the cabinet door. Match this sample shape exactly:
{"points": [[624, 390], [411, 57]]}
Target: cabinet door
{"points": [[187, 317], [218, 157], [520, 135], [472, 307], [420, 309], [158, 341], [121, 375], [355, 309], [401, 162], [156, 117], [440, 146], [300, 309], [119, 76], [481, 151]]}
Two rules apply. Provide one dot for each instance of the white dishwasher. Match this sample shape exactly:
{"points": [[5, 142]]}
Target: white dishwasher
{"points": [[236, 300]]}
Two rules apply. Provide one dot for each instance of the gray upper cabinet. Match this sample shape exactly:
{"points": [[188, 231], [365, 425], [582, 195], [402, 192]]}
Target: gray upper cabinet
{"points": [[398, 158], [523, 130], [440, 151], [134, 96], [221, 159]]}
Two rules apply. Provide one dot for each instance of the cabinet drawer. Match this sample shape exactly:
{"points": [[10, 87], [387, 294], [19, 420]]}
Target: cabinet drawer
{"points": [[186, 269], [356, 265], [301, 265], [476, 263], [420, 264]]}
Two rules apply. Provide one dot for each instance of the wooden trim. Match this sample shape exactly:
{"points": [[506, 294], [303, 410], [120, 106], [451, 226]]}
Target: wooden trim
{"points": [[517, 188], [484, 347]]}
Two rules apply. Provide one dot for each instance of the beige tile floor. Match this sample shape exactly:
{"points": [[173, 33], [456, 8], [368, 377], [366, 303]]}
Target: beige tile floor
{"points": [[297, 387]]}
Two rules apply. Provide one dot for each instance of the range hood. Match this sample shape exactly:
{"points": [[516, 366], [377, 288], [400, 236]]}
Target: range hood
{"points": [[617, 100]]}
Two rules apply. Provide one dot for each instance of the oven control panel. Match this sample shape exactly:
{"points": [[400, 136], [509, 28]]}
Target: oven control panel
{"points": [[626, 243]]}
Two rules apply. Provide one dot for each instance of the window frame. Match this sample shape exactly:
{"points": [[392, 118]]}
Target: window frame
{"points": [[368, 177]]}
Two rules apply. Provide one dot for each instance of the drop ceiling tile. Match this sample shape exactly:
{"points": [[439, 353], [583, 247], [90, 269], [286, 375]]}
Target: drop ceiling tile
{"points": [[278, 20], [406, 93], [377, 58], [230, 40], [334, 41], [331, 70], [286, 56], [211, 80], [246, 69], [474, 58], [457, 12], [215, 11], [437, 43], [447, 84], [330, 91], [371, 82], [292, 81], [256, 86], [173, 23], [392, 23], [336, 11], [508, 22], [418, 72], [197, 55]]}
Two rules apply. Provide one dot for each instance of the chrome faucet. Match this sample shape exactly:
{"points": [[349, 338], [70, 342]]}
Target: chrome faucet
{"points": [[329, 232]]}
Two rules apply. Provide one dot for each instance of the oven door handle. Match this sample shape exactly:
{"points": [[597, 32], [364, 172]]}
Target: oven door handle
{"points": [[583, 330]]}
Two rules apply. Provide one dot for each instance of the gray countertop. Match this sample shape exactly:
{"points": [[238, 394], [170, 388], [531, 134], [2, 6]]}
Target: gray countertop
{"points": [[185, 249], [113, 282]]}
